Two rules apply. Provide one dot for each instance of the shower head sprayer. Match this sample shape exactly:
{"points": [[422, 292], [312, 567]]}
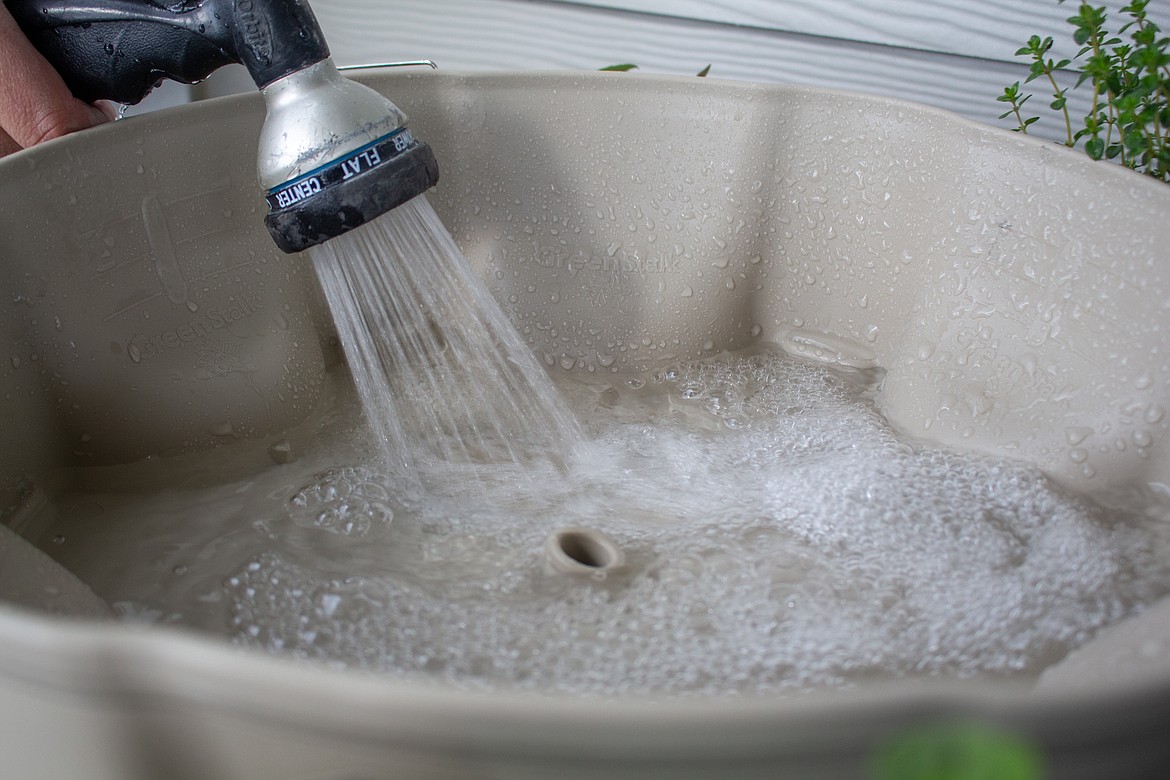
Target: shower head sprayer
{"points": [[333, 154]]}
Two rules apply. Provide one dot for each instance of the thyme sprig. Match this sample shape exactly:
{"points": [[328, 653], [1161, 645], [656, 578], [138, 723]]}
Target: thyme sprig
{"points": [[1129, 118]]}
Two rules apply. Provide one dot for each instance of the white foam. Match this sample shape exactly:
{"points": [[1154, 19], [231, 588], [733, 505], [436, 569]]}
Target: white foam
{"points": [[779, 536]]}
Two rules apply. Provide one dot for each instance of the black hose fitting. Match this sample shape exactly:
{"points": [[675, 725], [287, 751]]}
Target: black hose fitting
{"points": [[121, 49]]}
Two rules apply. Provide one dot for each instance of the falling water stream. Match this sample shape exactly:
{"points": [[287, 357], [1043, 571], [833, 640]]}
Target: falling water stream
{"points": [[442, 374]]}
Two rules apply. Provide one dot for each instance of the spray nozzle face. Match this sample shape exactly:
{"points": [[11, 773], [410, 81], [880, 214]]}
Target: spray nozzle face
{"points": [[361, 185], [334, 155]]}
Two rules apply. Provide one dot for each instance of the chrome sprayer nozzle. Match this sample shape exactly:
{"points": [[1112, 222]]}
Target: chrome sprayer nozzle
{"points": [[334, 154]]}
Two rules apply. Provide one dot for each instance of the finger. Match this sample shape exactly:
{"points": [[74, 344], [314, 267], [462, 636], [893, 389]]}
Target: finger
{"points": [[109, 109], [35, 104], [98, 114], [7, 145]]}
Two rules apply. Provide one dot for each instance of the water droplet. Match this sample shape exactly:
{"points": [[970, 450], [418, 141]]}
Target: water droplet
{"points": [[687, 292], [282, 452], [1152, 648], [223, 428], [329, 603]]}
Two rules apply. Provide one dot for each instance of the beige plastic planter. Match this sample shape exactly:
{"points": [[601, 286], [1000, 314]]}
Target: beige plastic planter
{"points": [[1015, 293]]}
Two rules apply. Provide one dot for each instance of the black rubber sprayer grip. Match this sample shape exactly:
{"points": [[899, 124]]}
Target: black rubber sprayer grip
{"points": [[120, 49]]}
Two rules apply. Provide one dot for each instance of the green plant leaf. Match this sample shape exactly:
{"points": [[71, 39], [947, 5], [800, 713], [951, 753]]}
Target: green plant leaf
{"points": [[1135, 141], [1130, 76], [621, 68], [703, 73], [956, 751]]}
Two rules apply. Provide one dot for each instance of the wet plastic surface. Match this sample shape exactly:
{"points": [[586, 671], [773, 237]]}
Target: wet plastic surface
{"points": [[1013, 291]]}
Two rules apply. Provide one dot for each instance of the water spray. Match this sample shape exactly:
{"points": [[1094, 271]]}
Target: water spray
{"points": [[333, 154]]}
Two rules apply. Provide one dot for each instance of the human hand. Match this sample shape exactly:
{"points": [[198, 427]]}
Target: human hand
{"points": [[35, 104]]}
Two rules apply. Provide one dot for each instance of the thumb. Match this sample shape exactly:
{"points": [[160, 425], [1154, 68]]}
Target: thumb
{"points": [[107, 111]]}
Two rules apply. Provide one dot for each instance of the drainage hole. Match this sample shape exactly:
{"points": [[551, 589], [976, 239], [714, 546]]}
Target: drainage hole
{"points": [[582, 551], [585, 549]]}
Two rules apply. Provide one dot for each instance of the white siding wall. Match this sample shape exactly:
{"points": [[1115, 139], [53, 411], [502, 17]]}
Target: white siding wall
{"points": [[955, 54]]}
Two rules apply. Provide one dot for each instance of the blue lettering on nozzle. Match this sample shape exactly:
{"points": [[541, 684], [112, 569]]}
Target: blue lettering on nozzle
{"points": [[360, 162], [297, 192], [339, 172]]}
